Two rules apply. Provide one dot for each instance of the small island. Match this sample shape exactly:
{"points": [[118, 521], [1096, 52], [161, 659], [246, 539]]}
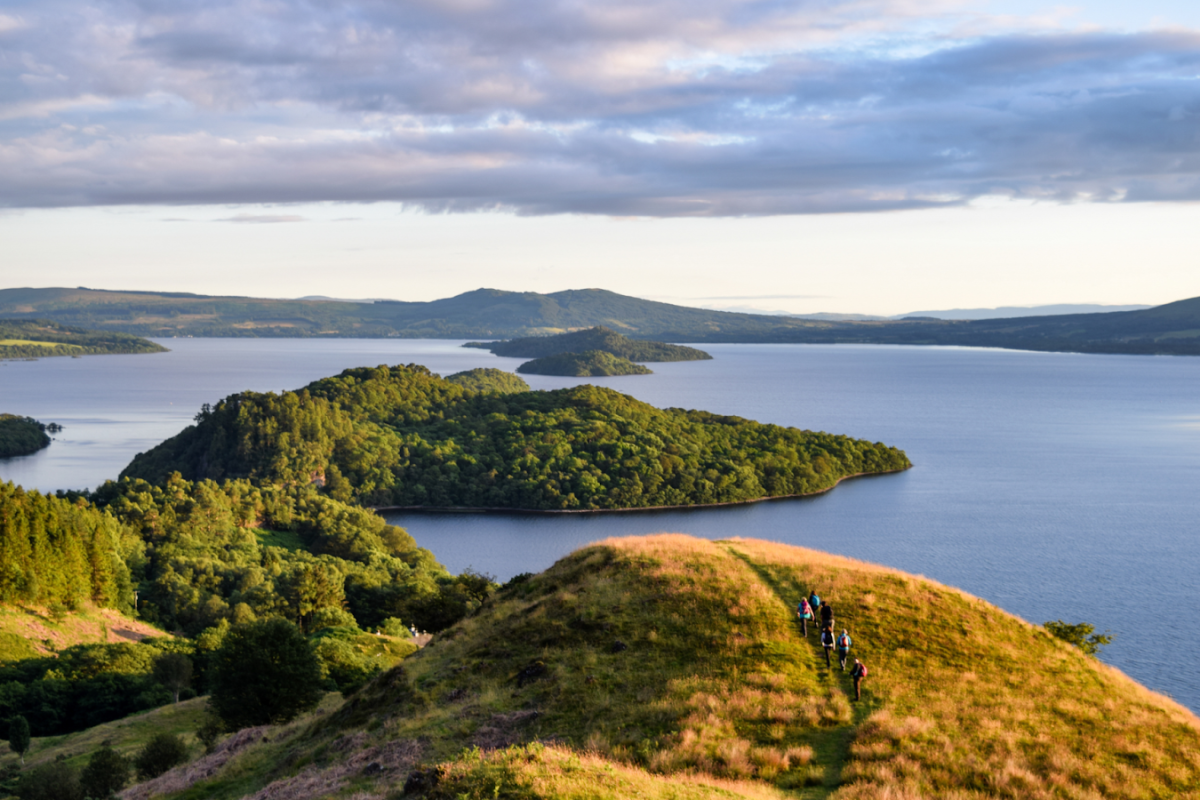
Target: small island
{"points": [[588, 364], [37, 338], [403, 437], [599, 338], [486, 379], [22, 436]]}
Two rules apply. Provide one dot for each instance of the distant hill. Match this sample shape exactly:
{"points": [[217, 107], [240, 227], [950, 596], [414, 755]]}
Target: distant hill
{"points": [[1003, 312], [1172, 329], [671, 667], [600, 338], [588, 364]]}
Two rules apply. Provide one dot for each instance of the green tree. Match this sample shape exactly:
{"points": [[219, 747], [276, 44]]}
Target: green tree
{"points": [[265, 673], [1078, 635], [50, 782], [164, 751], [106, 773], [174, 671], [18, 736]]}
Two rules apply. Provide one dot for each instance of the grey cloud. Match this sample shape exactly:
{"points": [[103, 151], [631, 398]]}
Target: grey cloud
{"points": [[260, 219], [666, 108]]}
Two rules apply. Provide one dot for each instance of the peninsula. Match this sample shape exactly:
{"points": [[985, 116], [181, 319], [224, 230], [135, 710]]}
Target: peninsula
{"points": [[22, 436], [37, 338]]}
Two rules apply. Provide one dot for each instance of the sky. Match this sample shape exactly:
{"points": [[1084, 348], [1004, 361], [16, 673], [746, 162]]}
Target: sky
{"points": [[871, 156]]}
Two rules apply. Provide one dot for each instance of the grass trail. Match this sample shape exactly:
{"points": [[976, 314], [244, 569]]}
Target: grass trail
{"points": [[831, 745]]}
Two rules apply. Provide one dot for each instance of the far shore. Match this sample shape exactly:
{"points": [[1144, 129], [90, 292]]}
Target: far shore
{"points": [[503, 510]]}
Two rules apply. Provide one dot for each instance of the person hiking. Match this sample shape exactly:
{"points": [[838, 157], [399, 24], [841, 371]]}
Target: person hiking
{"points": [[827, 643], [843, 646], [826, 614], [814, 602], [858, 672], [804, 612]]}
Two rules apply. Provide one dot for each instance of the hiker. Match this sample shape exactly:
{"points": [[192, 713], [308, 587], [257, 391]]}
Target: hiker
{"points": [[827, 643], [843, 646], [804, 612], [826, 614], [814, 602], [858, 672]]}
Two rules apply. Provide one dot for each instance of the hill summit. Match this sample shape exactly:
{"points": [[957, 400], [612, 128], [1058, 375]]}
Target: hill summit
{"points": [[668, 666]]}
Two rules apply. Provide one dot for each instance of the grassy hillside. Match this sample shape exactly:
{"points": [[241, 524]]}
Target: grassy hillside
{"points": [[668, 666], [599, 338], [31, 631], [588, 364], [35, 338]]}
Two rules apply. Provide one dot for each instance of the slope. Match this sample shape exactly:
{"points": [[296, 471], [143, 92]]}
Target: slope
{"points": [[672, 667]]}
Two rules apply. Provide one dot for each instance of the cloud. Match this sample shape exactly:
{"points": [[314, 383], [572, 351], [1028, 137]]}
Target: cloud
{"points": [[623, 108], [263, 219]]}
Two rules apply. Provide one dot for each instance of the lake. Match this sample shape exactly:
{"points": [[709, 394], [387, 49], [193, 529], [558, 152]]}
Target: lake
{"points": [[1057, 486]]}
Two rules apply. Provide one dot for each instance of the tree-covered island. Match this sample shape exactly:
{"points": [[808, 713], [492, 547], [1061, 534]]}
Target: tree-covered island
{"points": [[588, 364], [402, 436], [35, 338], [598, 338], [22, 436]]}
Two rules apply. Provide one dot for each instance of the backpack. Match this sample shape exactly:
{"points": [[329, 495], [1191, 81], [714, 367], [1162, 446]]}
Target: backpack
{"points": [[844, 642], [862, 670]]}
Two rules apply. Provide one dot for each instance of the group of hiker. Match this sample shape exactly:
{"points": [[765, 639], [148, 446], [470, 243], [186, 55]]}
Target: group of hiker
{"points": [[808, 610]]}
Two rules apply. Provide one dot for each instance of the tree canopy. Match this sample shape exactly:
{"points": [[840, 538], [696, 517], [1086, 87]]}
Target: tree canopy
{"points": [[599, 338], [20, 436], [588, 364], [401, 436], [487, 379], [266, 673]]}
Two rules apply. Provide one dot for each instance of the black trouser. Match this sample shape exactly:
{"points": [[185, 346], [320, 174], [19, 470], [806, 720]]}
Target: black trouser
{"points": [[827, 649], [842, 656]]}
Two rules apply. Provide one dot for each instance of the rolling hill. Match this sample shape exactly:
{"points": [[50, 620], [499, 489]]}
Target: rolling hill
{"points": [[599, 338], [671, 667], [1172, 329]]}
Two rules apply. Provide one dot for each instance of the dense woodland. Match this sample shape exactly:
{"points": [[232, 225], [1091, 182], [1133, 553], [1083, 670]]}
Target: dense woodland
{"points": [[486, 379], [20, 436], [588, 364], [34, 338], [203, 557], [599, 338], [401, 436]]}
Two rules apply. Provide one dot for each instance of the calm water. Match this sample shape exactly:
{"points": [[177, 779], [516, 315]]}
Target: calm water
{"points": [[1054, 485]]}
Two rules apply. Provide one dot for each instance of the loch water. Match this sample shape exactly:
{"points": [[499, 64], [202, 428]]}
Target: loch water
{"points": [[1058, 486]]}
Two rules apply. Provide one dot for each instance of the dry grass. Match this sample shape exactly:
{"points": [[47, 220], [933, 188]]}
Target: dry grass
{"points": [[667, 666], [43, 634], [975, 702]]}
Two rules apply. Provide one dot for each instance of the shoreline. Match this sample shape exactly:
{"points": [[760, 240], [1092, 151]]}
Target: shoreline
{"points": [[635, 509]]}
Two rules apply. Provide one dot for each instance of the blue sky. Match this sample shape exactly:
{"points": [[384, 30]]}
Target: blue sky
{"points": [[862, 155]]}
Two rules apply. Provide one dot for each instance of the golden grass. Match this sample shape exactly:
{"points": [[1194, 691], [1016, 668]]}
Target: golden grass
{"points": [[43, 634], [668, 666]]}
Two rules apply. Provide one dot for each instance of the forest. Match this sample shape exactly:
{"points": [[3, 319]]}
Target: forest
{"points": [[588, 364], [598, 338], [401, 436], [202, 557], [20, 436], [35, 338], [486, 379]]}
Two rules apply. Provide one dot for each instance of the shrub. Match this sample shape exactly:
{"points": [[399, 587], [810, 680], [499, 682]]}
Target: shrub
{"points": [[1078, 635], [164, 751], [50, 782], [106, 773]]}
